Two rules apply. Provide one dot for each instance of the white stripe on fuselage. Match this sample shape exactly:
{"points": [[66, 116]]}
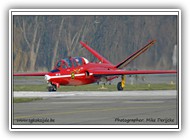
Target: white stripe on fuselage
{"points": [[47, 77]]}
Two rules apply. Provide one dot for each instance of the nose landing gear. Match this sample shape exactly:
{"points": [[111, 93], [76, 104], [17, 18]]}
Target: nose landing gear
{"points": [[121, 85], [51, 87]]}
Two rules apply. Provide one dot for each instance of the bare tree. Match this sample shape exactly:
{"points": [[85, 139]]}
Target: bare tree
{"points": [[57, 43], [33, 42], [73, 41]]}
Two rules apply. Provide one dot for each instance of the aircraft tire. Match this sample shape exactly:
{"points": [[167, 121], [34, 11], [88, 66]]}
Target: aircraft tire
{"points": [[119, 86], [52, 88]]}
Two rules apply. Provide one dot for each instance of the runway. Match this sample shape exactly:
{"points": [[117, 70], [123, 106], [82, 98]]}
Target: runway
{"points": [[81, 108]]}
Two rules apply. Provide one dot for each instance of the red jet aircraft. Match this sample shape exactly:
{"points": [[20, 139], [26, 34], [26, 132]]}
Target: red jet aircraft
{"points": [[75, 71]]}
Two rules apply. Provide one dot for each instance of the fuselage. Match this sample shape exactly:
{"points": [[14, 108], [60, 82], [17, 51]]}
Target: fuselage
{"points": [[75, 71]]}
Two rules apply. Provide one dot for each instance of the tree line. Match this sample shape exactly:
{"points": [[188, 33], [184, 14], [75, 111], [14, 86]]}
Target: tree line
{"points": [[39, 41]]}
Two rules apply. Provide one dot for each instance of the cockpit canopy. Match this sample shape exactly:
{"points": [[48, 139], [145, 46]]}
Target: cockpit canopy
{"points": [[71, 62]]}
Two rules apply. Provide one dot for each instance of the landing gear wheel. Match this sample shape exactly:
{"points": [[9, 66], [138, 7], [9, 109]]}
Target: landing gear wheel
{"points": [[52, 88], [119, 87]]}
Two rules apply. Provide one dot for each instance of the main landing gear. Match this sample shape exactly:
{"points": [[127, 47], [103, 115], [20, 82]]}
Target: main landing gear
{"points": [[52, 87], [121, 84]]}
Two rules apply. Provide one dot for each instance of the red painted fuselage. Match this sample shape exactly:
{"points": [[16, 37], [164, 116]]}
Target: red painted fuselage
{"points": [[79, 75]]}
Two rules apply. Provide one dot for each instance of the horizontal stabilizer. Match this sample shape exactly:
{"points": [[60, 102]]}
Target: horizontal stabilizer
{"points": [[134, 55], [97, 55]]}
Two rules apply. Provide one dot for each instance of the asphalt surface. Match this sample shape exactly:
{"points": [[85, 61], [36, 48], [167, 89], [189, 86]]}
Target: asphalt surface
{"points": [[94, 108]]}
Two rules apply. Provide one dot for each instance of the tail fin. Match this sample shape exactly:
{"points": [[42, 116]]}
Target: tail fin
{"points": [[134, 55], [97, 55]]}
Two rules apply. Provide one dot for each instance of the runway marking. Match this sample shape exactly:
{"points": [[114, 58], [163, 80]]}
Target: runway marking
{"points": [[90, 110]]}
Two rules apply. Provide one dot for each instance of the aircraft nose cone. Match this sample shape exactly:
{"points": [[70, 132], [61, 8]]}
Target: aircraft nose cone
{"points": [[47, 77]]}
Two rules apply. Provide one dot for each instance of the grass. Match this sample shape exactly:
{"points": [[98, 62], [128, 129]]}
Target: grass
{"points": [[23, 100], [95, 87]]}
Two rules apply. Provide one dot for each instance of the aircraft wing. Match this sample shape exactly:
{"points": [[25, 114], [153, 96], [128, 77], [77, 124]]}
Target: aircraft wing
{"points": [[31, 74], [131, 72]]}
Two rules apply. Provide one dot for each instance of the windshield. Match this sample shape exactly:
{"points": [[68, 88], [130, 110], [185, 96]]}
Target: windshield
{"points": [[59, 64], [74, 63], [64, 66], [68, 61], [78, 60]]}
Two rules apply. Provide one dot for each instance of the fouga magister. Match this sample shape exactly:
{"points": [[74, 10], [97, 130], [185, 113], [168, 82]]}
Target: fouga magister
{"points": [[76, 71]]}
